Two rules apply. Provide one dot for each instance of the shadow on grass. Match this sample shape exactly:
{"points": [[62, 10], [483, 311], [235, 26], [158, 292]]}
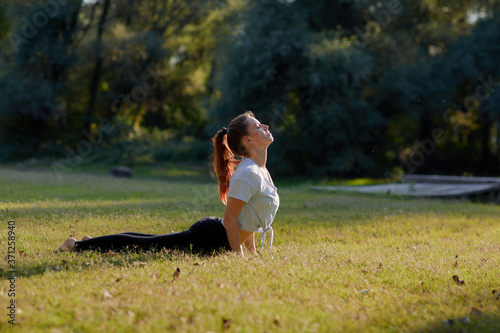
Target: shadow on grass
{"points": [[77, 262], [472, 323]]}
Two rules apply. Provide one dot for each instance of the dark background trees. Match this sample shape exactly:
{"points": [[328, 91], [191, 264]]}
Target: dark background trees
{"points": [[348, 87]]}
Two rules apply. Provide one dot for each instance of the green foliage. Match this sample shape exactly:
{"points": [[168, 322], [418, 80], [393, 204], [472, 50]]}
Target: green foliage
{"points": [[456, 92], [262, 60], [348, 95], [4, 21], [303, 82], [33, 78], [348, 87], [186, 149], [154, 63]]}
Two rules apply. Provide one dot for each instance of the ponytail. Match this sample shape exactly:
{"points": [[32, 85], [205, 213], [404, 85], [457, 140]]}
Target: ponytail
{"points": [[227, 144], [223, 162]]}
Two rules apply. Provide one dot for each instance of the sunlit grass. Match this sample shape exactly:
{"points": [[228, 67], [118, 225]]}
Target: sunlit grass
{"points": [[340, 262], [351, 182]]}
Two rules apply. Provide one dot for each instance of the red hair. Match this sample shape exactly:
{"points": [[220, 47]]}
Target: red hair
{"points": [[227, 145]]}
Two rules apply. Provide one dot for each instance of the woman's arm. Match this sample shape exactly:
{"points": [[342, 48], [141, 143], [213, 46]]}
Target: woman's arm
{"points": [[250, 243], [233, 209], [236, 236]]}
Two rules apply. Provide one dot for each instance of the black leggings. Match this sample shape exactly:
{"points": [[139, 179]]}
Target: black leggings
{"points": [[207, 234]]}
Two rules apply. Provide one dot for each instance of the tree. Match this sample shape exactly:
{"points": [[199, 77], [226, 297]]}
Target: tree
{"points": [[4, 21], [159, 41], [149, 70], [291, 68], [472, 71], [98, 65], [419, 81], [42, 42]]}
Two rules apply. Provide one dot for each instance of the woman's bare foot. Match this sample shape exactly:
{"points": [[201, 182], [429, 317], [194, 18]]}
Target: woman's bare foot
{"points": [[68, 245], [86, 237]]}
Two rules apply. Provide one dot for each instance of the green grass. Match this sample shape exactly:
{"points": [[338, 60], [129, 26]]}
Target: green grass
{"points": [[351, 182], [340, 262]]}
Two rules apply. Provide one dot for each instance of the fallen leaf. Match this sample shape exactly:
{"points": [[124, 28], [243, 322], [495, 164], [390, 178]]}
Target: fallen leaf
{"points": [[226, 323], [176, 274], [106, 294], [457, 280], [109, 254]]}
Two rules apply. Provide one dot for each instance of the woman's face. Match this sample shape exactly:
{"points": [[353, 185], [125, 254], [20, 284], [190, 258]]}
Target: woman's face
{"points": [[259, 134]]}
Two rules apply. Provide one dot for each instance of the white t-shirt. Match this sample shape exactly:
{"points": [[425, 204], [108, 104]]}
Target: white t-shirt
{"points": [[257, 190]]}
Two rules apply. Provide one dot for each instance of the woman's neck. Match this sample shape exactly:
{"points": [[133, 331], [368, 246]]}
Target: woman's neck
{"points": [[259, 157]]}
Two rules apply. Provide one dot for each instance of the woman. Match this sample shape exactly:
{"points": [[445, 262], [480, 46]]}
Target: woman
{"points": [[245, 187]]}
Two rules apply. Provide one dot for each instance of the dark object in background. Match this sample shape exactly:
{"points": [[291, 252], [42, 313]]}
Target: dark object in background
{"points": [[121, 172]]}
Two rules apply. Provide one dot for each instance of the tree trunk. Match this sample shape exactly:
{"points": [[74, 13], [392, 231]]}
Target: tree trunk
{"points": [[98, 67]]}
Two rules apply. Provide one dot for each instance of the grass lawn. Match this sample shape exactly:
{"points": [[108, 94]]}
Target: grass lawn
{"points": [[340, 262]]}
